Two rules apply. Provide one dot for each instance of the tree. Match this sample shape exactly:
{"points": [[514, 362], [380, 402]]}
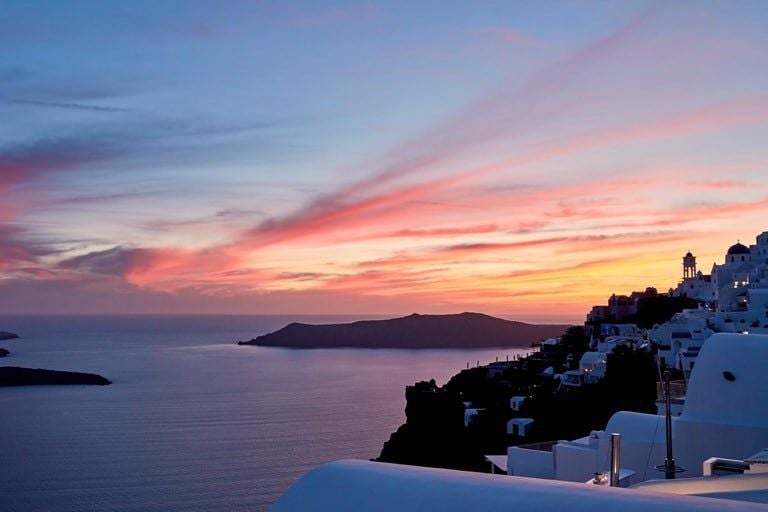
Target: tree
{"points": [[575, 339]]}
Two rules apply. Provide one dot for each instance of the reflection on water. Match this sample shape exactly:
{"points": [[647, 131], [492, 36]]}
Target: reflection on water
{"points": [[192, 421]]}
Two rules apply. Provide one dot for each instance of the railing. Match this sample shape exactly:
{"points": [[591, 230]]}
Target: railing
{"points": [[677, 389], [542, 447]]}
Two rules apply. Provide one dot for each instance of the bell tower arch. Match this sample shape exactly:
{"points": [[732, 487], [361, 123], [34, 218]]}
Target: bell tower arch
{"points": [[689, 265]]}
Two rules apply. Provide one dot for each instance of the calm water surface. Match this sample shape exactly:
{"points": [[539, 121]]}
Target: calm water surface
{"points": [[192, 421]]}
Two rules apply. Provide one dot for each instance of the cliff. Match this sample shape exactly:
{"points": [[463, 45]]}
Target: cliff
{"points": [[465, 330], [8, 335], [435, 434], [15, 376]]}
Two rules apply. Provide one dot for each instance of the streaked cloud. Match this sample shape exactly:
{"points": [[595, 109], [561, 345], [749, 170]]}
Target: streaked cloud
{"points": [[71, 106], [720, 185], [235, 167], [353, 13], [510, 35]]}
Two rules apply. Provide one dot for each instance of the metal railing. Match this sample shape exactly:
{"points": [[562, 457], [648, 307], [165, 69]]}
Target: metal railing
{"points": [[542, 447], [677, 389]]}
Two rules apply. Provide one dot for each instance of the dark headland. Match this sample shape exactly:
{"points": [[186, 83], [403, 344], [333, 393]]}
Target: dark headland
{"points": [[4, 335], [459, 331], [15, 376]]}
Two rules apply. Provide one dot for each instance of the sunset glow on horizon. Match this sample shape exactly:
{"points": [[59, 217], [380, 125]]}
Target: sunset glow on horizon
{"points": [[511, 158]]}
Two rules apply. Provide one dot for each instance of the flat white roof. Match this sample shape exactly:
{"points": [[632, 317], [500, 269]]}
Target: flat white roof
{"points": [[592, 356], [378, 487]]}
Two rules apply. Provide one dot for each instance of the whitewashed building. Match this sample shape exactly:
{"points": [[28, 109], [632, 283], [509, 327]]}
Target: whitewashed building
{"points": [[725, 414], [681, 336]]}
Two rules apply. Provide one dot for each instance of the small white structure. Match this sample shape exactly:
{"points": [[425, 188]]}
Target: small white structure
{"points": [[611, 329], [496, 369], [519, 426], [593, 365], [469, 415], [516, 402], [610, 343], [679, 340], [547, 372], [550, 342], [572, 378]]}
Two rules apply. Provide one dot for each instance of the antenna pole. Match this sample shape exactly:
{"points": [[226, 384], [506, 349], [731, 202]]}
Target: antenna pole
{"points": [[669, 462]]}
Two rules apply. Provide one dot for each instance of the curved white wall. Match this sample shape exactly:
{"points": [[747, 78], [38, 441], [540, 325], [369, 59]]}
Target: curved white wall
{"points": [[377, 487]]}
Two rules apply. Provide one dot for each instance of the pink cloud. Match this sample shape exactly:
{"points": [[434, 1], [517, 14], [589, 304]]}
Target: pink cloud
{"points": [[18, 254], [719, 185], [510, 111], [333, 213], [20, 167], [511, 36], [159, 268], [403, 198], [336, 212], [441, 232]]}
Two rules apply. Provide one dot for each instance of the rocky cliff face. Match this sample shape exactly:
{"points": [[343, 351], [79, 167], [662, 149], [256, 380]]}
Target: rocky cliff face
{"points": [[433, 434]]}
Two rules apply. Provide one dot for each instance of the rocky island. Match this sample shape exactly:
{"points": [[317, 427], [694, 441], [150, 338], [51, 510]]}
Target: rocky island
{"points": [[15, 376], [4, 335], [4, 352], [459, 331]]}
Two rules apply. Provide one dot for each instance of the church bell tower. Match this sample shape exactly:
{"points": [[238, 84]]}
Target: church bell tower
{"points": [[689, 265]]}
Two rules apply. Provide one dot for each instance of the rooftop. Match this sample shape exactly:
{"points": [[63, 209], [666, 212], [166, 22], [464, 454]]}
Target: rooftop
{"points": [[738, 248]]}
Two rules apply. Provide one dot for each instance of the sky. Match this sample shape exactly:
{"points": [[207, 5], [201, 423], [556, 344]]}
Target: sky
{"points": [[523, 159]]}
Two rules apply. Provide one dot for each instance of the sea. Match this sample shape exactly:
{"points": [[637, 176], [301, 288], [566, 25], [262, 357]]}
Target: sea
{"points": [[193, 422]]}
